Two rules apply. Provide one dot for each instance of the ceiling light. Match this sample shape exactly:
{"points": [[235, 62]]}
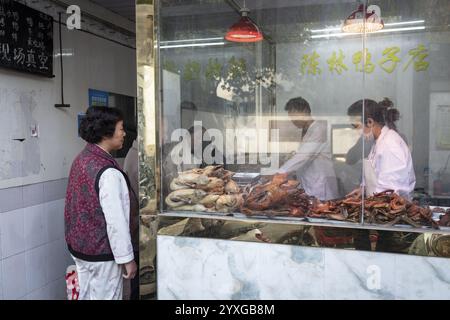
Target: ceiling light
{"points": [[364, 21], [191, 40], [317, 36], [189, 45], [389, 24], [244, 30]]}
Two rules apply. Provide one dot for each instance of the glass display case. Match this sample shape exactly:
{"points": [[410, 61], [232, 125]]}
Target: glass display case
{"points": [[283, 127], [319, 123]]}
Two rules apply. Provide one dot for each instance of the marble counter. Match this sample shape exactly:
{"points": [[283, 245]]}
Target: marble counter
{"points": [[201, 268]]}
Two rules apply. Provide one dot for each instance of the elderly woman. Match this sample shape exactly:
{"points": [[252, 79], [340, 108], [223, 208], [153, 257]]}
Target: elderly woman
{"points": [[99, 203]]}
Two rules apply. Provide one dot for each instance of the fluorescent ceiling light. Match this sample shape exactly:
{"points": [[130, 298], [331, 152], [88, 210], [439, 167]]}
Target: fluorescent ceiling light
{"points": [[386, 25], [401, 29], [206, 44], [191, 40], [341, 34], [404, 22], [65, 54], [326, 30]]}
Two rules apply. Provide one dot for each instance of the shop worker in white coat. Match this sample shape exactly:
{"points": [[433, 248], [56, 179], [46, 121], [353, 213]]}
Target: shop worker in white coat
{"points": [[389, 165], [312, 161]]}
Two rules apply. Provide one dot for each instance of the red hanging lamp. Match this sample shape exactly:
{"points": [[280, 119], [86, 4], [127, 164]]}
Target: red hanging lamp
{"points": [[244, 30]]}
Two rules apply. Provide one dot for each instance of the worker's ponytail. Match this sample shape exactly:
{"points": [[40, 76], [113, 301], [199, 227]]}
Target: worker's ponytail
{"points": [[382, 112], [391, 114]]}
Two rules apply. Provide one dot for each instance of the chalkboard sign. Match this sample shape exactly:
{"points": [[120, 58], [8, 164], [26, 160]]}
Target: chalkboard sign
{"points": [[26, 39]]}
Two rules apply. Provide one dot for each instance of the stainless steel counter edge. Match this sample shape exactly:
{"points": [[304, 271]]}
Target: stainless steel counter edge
{"points": [[303, 221], [327, 234]]}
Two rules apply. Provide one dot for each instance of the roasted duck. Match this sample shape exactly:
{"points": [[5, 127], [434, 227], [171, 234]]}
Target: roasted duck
{"points": [[279, 196], [209, 189], [387, 208]]}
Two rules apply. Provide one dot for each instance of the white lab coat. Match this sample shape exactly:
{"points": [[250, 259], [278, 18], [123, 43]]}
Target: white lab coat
{"points": [[313, 163], [391, 160]]}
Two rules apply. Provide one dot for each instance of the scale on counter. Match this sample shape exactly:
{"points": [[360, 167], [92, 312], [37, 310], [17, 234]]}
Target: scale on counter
{"points": [[245, 178]]}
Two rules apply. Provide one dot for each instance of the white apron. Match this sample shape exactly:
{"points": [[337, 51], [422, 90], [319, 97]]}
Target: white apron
{"points": [[382, 172], [370, 178]]}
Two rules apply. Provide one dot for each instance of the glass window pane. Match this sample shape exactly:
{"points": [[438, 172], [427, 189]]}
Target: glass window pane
{"points": [[278, 106], [407, 74]]}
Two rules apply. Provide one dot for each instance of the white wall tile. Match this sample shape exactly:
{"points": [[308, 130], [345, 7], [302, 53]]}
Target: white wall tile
{"points": [[10, 198], [36, 268], [35, 226], [55, 218], [1, 280], [33, 194], [57, 289], [57, 262], [40, 294], [12, 237], [1, 251], [69, 259], [14, 277]]}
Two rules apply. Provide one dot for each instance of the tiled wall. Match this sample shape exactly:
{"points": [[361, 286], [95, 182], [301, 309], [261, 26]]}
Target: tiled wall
{"points": [[33, 253]]}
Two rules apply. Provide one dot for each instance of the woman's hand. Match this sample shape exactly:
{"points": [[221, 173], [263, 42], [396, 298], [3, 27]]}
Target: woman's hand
{"points": [[355, 193], [130, 270]]}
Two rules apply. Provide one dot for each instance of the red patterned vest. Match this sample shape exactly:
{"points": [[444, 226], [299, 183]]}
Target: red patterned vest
{"points": [[85, 224]]}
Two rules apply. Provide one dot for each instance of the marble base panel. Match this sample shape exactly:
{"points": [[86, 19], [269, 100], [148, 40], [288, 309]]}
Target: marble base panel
{"points": [[208, 269]]}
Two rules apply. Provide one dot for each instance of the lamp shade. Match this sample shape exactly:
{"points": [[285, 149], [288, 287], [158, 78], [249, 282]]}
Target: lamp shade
{"points": [[244, 30], [355, 21]]}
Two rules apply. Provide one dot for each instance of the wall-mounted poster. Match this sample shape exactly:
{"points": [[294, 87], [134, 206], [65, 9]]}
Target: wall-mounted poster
{"points": [[26, 39], [98, 98]]}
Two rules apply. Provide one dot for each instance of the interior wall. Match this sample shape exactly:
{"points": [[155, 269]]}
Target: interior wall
{"points": [[27, 100], [33, 173]]}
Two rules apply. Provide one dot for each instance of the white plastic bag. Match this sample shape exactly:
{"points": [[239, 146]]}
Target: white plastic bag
{"points": [[73, 289]]}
